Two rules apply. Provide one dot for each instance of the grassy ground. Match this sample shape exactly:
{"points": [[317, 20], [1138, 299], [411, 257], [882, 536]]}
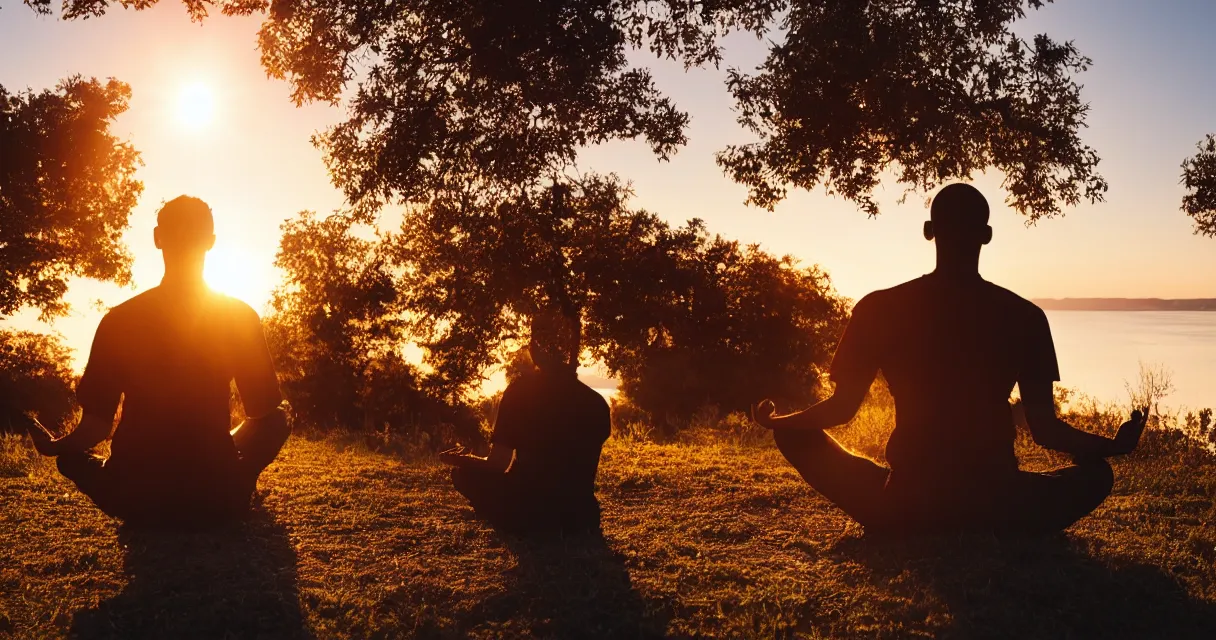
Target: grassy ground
{"points": [[716, 537]]}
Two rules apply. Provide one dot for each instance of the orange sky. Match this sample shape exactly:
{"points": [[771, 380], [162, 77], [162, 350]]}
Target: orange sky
{"points": [[254, 164]]}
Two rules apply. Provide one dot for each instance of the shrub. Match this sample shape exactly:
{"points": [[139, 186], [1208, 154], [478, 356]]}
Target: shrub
{"points": [[35, 376]]}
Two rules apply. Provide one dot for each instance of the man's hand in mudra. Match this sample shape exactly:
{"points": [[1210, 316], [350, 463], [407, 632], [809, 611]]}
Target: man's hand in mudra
{"points": [[456, 455], [45, 443], [765, 414], [1128, 436]]}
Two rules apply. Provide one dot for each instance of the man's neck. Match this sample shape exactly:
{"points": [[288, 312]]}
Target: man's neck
{"points": [[182, 278], [184, 269], [958, 267], [955, 273], [558, 371]]}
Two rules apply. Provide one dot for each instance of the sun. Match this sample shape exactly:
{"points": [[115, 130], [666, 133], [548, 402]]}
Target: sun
{"points": [[239, 274], [195, 105]]}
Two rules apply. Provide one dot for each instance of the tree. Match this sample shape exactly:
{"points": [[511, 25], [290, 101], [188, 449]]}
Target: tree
{"points": [[334, 320], [1199, 178], [932, 90], [683, 318], [85, 9], [476, 266], [67, 187], [336, 334], [754, 325], [35, 376], [490, 92]]}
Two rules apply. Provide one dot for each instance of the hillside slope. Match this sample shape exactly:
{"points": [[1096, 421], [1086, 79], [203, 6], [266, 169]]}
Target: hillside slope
{"points": [[709, 540]]}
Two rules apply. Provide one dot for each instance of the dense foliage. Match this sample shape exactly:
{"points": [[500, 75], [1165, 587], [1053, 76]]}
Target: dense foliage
{"points": [[334, 322], [1199, 178], [35, 376], [67, 187], [932, 91], [444, 95], [337, 331], [681, 317], [751, 325]]}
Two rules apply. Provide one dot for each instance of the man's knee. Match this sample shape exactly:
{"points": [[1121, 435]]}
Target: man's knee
{"points": [[272, 428], [792, 441], [476, 481], [260, 439], [78, 467], [1073, 494], [802, 448], [88, 473], [68, 465], [460, 479], [1101, 478]]}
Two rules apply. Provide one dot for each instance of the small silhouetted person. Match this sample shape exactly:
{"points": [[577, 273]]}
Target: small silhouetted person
{"points": [[951, 347], [167, 357], [545, 448]]}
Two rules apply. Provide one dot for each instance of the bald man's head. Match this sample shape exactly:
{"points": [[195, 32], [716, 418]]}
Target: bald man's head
{"points": [[185, 224], [959, 217]]}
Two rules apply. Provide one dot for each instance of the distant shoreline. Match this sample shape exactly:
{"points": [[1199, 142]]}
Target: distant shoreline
{"points": [[1126, 304]]}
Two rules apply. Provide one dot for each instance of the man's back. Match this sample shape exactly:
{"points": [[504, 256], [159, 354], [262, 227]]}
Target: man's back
{"points": [[951, 350], [171, 353], [557, 426]]}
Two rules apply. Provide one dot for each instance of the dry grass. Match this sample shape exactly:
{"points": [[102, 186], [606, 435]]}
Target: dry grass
{"points": [[712, 537]]}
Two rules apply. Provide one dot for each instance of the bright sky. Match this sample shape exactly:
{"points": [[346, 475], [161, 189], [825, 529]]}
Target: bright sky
{"points": [[209, 123]]}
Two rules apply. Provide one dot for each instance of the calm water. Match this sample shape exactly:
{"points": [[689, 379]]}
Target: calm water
{"points": [[1101, 350]]}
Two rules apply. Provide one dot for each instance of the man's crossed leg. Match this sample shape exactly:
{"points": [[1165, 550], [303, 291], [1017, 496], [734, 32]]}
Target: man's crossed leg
{"points": [[1019, 503]]}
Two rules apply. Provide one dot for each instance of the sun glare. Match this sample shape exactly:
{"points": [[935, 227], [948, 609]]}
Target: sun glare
{"points": [[195, 105], [235, 273]]}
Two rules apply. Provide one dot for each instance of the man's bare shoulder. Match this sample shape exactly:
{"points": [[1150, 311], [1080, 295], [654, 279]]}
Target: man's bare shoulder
{"points": [[233, 310], [1014, 302], [238, 306], [568, 387], [593, 397], [132, 307], [891, 295]]}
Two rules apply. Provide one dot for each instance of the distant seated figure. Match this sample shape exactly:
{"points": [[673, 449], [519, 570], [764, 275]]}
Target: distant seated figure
{"points": [[951, 347], [554, 427], [167, 357]]}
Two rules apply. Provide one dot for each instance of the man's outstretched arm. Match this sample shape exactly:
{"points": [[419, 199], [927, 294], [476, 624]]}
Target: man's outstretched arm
{"points": [[99, 393], [834, 411], [854, 367], [90, 432], [513, 419], [1050, 432], [498, 461]]}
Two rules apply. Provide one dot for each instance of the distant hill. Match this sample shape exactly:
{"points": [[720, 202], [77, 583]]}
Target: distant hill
{"points": [[1127, 304]]}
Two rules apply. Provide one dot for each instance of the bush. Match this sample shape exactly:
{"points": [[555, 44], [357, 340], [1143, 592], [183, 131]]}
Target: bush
{"points": [[35, 376], [746, 326], [335, 334], [1199, 425], [629, 423], [17, 459]]}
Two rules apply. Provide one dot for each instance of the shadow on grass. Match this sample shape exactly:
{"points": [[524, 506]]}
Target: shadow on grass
{"points": [[235, 582], [572, 587], [1028, 588]]}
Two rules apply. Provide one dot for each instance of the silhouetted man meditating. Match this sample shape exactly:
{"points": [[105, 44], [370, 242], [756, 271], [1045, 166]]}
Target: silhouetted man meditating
{"points": [[554, 427], [167, 357], [951, 347]]}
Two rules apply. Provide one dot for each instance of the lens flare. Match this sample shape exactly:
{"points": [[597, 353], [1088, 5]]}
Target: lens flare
{"points": [[195, 106]]}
